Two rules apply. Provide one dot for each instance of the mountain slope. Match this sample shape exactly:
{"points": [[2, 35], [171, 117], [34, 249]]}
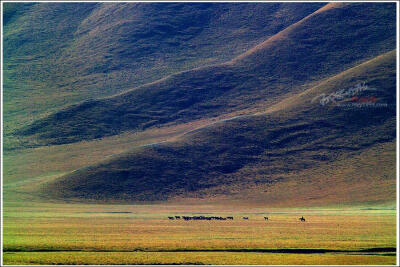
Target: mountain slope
{"points": [[299, 134], [326, 42], [57, 54]]}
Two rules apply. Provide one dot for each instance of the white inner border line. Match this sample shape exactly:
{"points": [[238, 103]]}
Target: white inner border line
{"points": [[397, 138]]}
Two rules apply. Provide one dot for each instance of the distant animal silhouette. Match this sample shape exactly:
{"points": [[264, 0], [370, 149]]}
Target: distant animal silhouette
{"points": [[266, 218], [302, 219], [196, 218], [245, 218]]}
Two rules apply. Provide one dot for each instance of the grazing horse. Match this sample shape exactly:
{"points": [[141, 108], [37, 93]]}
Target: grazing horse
{"points": [[177, 217], [266, 218], [229, 218], [302, 219], [245, 218], [171, 218]]}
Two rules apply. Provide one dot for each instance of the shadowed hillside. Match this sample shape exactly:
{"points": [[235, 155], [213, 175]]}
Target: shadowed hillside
{"points": [[300, 133], [324, 43], [57, 54]]}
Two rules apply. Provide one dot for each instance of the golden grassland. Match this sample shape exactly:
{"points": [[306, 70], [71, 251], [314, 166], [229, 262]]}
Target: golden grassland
{"points": [[192, 258], [142, 234]]}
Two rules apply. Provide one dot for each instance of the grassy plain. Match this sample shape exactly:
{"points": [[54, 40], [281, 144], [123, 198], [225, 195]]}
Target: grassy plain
{"points": [[53, 233], [193, 258]]}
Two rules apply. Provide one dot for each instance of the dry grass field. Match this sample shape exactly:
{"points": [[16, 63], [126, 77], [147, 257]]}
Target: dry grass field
{"points": [[143, 234], [193, 258]]}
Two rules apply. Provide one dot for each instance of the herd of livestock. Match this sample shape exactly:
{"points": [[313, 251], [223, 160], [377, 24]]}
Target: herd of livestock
{"points": [[218, 218]]}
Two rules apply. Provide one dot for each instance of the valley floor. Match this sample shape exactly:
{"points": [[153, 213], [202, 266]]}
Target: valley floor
{"points": [[54, 233]]}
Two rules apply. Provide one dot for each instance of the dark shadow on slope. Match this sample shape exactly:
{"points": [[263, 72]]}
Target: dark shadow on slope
{"points": [[295, 138]]}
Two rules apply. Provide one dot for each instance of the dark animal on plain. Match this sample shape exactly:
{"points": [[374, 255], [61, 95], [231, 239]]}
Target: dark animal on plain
{"points": [[171, 218], [245, 218], [302, 219], [266, 218], [203, 218]]}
